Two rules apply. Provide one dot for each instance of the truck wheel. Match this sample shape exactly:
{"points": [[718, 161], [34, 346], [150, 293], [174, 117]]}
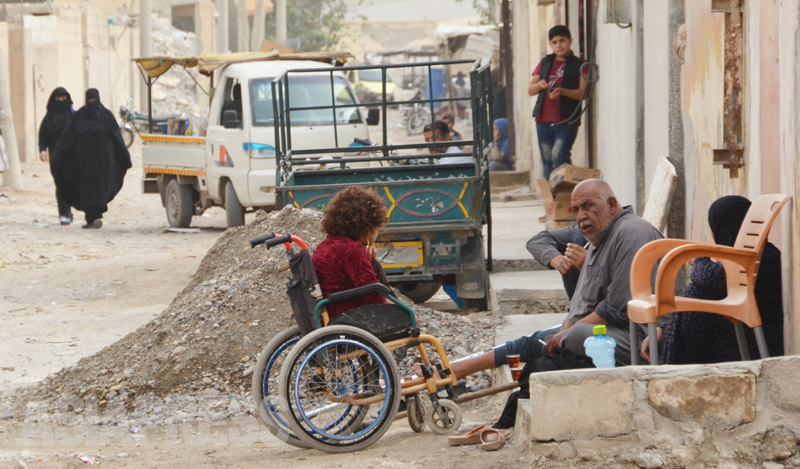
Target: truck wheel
{"points": [[419, 292], [179, 205], [233, 209]]}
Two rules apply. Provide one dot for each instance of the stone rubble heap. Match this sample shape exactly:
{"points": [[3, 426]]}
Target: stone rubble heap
{"points": [[194, 361], [176, 92]]}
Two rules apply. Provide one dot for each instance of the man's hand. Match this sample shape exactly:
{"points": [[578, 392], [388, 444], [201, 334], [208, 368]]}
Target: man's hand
{"points": [[537, 85], [574, 256], [561, 264], [555, 93], [554, 341], [646, 343], [42, 156]]}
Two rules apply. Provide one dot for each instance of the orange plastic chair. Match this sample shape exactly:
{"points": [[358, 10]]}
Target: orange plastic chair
{"points": [[741, 264]]}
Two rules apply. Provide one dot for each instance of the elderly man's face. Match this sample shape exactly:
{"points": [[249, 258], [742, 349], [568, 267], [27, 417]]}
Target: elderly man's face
{"points": [[439, 138], [592, 212]]}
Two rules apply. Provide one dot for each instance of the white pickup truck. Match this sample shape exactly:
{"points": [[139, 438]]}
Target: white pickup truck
{"points": [[233, 166]]}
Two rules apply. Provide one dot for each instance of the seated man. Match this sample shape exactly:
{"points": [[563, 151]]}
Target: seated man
{"points": [[601, 296], [563, 249], [443, 135]]}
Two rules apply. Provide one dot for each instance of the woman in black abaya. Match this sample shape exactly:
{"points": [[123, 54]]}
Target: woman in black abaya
{"points": [[90, 160], [59, 114]]}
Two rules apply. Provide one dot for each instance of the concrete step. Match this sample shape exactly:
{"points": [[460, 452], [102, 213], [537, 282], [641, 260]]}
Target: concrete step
{"points": [[513, 193], [509, 178], [530, 292]]}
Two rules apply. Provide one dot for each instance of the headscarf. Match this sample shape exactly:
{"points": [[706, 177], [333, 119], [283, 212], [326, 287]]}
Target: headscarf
{"points": [[725, 217], [90, 117], [58, 112], [502, 144]]}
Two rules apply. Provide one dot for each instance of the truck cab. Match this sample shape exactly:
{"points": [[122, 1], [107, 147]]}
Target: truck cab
{"points": [[234, 165]]}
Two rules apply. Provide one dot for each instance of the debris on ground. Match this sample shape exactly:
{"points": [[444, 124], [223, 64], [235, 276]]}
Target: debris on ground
{"points": [[194, 361]]}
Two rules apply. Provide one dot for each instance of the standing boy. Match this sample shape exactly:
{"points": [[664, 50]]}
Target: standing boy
{"points": [[558, 85]]}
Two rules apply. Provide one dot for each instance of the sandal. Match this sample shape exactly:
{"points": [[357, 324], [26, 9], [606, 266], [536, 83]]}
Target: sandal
{"points": [[492, 439], [472, 437]]}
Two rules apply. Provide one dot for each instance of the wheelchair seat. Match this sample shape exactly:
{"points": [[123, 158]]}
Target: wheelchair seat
{"points": [[386, 321]]}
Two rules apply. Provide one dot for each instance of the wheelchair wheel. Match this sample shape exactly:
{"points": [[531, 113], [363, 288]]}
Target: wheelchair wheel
{"points": [[265, 385], [443, 418], [416, 413], [328, 382]]}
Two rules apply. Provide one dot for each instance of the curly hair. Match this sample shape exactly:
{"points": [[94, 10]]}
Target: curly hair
{"points": [[353, 212]]}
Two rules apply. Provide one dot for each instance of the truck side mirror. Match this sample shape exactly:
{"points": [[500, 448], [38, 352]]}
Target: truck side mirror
{"points": [[230, 120], [373, 116]]}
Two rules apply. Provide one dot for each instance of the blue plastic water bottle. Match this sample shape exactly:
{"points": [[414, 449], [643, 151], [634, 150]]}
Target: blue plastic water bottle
{"points": [[601, 348]]}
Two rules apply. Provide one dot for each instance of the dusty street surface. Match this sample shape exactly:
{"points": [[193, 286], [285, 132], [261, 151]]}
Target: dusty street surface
{"points": [[66, 293]]}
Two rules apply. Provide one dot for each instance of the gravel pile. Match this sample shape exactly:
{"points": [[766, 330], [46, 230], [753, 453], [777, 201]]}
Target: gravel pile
{"points": [[195, 360]]}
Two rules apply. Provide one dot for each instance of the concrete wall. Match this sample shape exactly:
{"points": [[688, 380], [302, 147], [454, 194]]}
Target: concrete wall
{"points": [[75, 48], [728, 415], [684, 57]]}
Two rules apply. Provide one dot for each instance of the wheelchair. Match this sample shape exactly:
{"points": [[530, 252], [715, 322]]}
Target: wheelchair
{"points": [[334, 385]]}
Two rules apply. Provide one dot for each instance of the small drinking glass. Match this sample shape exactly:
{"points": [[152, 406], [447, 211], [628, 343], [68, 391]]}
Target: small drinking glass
{"points": [[515, 372], [513, 360]]}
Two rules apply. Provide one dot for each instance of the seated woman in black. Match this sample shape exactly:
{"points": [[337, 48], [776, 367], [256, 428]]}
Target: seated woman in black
{"points": [[696, 337]]}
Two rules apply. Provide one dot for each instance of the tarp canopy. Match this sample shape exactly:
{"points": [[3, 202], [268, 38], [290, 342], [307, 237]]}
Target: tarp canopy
{"points": [[445, 31], [156, 66]]}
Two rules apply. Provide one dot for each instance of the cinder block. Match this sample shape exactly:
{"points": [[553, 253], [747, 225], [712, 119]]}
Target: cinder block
{"points": [[716, 402], [782, 376], [564, 410]]}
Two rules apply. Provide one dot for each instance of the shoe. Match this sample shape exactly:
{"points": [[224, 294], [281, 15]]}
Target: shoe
{"points": [[492, 439], [472, 437], [96, 224], [65, 220]]}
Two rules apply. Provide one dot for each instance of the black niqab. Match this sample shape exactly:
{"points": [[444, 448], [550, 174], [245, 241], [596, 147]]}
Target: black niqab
{"points": [[91, 115], [56, 120]]}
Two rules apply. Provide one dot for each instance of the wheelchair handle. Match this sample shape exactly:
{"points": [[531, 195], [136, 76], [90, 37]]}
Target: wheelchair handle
{"points": [[280, 239], [261, 239]]}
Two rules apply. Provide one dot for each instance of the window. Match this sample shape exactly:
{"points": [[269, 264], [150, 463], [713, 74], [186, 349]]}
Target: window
{"points": [[305, 91]]}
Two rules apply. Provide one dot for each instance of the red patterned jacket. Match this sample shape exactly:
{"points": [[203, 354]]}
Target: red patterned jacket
{"points": [[342, 263]]}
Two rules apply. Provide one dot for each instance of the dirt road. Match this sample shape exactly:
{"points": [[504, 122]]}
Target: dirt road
{"points": [[66, 293]]}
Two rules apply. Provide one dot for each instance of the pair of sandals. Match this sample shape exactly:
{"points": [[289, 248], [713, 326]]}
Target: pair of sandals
{"points": [[490, 439]]}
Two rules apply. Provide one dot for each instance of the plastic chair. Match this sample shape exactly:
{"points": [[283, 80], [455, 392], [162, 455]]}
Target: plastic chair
{"points": [[741, 264]]}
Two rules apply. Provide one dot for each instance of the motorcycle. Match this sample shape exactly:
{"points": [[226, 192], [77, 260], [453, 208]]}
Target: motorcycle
{"points": [[416, 116], [132, 121]]}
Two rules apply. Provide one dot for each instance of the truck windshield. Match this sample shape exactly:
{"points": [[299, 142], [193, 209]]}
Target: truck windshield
{"points": [[305, 91]]}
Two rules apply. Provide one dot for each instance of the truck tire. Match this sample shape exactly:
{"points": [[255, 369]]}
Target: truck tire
{"points": [[233, 209], [179, 205], [419, 292]]}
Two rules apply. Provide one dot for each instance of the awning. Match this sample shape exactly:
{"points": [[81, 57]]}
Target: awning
{"points": [[156, 66]]}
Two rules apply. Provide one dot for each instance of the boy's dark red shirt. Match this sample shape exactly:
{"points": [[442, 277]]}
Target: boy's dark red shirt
{"points": [[341, 264], [551, 109]]}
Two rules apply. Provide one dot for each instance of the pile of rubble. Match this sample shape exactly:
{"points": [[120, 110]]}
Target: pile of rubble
{"points": [[176, 91], [194, 362]]}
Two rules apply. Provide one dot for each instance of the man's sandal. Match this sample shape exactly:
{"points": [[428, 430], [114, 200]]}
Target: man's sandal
{"points": [[492, 439], [472, 437]]}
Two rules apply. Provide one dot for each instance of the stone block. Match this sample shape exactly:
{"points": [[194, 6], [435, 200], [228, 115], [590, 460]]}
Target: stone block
{"points": [[781, 376], [590, 408], [720, 401]]}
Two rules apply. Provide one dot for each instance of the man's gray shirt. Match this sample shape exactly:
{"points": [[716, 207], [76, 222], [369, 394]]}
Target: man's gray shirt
{"points": [[604, 285]]}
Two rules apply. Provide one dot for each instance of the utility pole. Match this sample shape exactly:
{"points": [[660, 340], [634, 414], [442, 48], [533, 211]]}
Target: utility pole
{"points": [[507, 57], [12, 177], [243, 29], [222, 26], [280, 21], [145, 44], [257, 33]]}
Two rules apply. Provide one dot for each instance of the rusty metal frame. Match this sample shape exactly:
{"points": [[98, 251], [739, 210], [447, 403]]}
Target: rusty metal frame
{"points": [[731, 156]]}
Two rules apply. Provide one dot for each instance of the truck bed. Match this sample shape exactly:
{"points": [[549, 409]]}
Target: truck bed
{"points": [[438, 196]]}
